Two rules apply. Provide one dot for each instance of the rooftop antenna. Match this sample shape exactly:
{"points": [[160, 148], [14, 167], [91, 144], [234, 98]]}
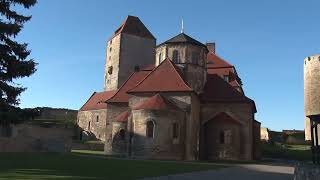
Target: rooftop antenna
{"points": [[182, 28]]}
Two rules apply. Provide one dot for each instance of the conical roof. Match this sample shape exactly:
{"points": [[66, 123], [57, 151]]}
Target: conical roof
{"points": [[183, 38]]}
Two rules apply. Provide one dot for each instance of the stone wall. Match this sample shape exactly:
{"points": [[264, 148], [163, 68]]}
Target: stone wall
{"points": [[94, 122], [240, 111], [112, 62], [114, 109], [264, 134], [162, 145], [32, 138], [257, 153], [311, 90]]}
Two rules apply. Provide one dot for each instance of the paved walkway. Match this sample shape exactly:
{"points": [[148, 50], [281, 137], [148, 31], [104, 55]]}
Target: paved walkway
{"points": [[238, 172]]}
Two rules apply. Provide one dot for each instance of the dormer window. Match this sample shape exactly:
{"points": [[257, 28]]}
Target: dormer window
{"points": [[226, 78], [175, 56]]}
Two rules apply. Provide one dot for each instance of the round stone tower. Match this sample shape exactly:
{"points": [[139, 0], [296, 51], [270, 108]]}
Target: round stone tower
{"points": [[311, 90]]}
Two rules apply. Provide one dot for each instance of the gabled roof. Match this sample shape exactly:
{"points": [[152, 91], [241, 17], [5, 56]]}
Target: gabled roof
{"points": [[226, 117], [183, 38], [163, 78], [97, 101], [121, 95], [216, 90], [214, 61], [156, 102], [133, 25], [123, 117]]}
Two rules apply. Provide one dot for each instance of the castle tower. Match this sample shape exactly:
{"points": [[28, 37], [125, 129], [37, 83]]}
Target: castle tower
{"points": [[311, 90], [131, 45], [189, 55]]}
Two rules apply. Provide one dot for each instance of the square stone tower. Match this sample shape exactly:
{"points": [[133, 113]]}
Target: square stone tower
{"points": [[132, 45]]}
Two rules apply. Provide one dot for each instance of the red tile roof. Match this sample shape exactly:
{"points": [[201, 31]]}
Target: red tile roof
{"points": [[121, 95], [156, 102], [216, 89], [97, 101], [123, 117], [163, 78], [133, 25], [214, 61]]}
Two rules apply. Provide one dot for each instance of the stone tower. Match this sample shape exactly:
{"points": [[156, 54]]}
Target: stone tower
{"points": [[131, 45], [311, 90], [189, 55]]}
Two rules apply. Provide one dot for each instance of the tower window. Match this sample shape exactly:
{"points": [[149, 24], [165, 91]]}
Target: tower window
{"points": [[175, 130], [110, 68], [160, 58], [110, 49], [195, 58], [97, 119], [226, 78], [175, 56], [150, 129]]}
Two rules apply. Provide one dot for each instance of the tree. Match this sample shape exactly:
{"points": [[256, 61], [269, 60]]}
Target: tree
{"points": [[14, 62]]}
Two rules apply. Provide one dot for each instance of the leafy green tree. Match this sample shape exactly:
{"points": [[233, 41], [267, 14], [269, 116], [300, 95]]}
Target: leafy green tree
{"points": [[14, 61]]}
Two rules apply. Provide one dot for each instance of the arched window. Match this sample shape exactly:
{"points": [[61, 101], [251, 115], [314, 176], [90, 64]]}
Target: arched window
{"points": [[122, 134], [150, 129], [221, 137], [160, 58], [175, 56], [175, 130]]}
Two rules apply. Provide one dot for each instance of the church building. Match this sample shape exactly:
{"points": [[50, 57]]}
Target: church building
{"points": [[177, 100]]}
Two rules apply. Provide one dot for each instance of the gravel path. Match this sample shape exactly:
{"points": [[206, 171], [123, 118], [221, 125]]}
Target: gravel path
{"points": [[238, 172]]}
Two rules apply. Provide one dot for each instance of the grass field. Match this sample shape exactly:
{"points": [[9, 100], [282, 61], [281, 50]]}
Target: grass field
{"points": [[85, 166], [290, 152]]}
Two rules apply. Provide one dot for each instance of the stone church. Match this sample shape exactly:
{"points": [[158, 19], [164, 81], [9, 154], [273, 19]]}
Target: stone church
{"points": [[176, 100]]}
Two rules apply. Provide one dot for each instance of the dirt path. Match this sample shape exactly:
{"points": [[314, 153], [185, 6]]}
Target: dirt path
{"points": [[238, 172]]}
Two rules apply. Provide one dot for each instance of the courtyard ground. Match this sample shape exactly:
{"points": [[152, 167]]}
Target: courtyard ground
{"points": [[87, 166]]}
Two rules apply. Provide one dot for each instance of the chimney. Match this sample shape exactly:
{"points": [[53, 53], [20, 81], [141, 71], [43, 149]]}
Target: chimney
{"points": [[136, 68], [211, 46]]}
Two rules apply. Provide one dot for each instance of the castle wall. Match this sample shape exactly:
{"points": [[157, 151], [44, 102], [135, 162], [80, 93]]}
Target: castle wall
{"points": [[239, 111], [162, 145], [97, 120], [311, 90], [112, 60], [114, 109]]}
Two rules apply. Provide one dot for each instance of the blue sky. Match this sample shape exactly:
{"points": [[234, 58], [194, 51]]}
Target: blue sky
{"points": [[266, 40]]}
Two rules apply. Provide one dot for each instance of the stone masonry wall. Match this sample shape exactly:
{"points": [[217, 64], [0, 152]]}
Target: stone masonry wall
{"points": [[240, 111], [112, 60], [96, 119]]}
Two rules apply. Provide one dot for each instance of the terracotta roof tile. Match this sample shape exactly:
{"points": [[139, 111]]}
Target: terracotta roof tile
{"points": [[123, 117], [97, 101], [214, 61], [156, 102], [133, 25], [216, 89], [164, 78], [121, 95]]}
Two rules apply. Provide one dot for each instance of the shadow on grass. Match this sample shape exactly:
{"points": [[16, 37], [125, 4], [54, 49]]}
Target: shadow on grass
{"points": [[73, 166]]}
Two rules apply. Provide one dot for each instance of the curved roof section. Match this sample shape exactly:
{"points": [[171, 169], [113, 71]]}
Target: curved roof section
{"points": [[133, 25], [123, 117], [183, 38], [97, 101], [156, 102], [164, 78]]}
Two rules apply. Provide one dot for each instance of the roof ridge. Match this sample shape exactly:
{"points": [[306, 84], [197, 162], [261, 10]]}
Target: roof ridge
{"points": [[170, 62]]}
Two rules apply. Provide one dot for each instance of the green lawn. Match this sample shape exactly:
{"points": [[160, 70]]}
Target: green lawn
{"points": [[85, 166], [285, 151]]}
